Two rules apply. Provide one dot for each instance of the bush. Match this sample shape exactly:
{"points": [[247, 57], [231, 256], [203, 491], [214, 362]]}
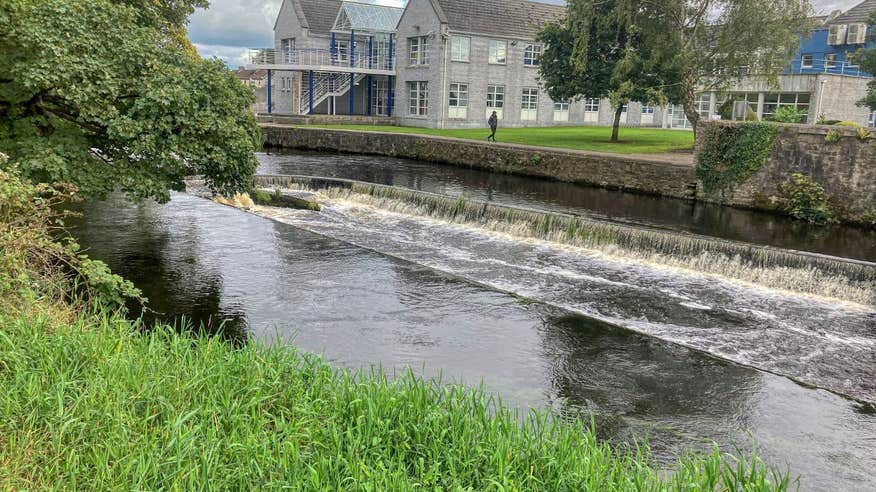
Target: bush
{"points": [[864, 134], [833, 137], [789, 114], [805, 199], [734, 153], [261, 197], [33, 264]]}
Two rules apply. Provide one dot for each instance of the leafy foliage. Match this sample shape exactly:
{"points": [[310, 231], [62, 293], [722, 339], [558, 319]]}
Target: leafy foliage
{"points": [[864, 134], [33, 263], [601, 50], [109, 94], [789, 114], [806, 200], [833, 137], [733, 153]]}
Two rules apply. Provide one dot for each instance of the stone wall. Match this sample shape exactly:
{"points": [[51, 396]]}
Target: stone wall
{"points": [[846, 170], [639, 174]]}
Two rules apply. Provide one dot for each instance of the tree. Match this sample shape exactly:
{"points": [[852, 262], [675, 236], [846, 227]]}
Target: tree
{"points": [[604, 49], [718, 42], [109, 94], [867, 59]]}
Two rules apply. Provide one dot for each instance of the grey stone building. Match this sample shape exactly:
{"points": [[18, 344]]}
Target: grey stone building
{"points": [[451, 63]]}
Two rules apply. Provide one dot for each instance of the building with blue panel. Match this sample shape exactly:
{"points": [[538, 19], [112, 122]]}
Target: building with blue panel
{"points": [[831, 46]]}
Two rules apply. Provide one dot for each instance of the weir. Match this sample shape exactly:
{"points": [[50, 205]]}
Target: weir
{"points": [[804, 272]]}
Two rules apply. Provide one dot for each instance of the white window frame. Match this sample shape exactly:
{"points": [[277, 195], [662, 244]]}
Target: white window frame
{"points": [[836, 34], [287, 48], [529, 104], [460, 49], [784, 99], [830, 61], [496, 100], [418, 51], [873, 119], [561, 110], [379, 96], [497, 52], [457, 101], [342, 50], [804, 64], [856, 34], [418, 98], [532, 55]]}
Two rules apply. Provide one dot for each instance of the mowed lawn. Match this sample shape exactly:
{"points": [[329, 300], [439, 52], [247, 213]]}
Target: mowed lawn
{"points": [[594, 138]]}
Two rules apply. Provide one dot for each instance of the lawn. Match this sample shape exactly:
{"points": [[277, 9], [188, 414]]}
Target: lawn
{"points": [[593, 138]]}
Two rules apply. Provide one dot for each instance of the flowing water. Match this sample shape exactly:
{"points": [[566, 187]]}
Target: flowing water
{"points": [[644, 347]]}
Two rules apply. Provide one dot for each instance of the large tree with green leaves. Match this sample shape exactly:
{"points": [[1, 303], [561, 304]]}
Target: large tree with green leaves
{"points": [[109, 94], [718, 42], [867, 59], [603, 49]]}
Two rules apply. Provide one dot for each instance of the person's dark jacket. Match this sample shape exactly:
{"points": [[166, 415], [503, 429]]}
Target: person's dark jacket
{"points": [[494, 122]]}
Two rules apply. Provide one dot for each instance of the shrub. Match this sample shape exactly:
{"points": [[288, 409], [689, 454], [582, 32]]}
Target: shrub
{"points": [[789, 114], [261, 197], [805, 199], [734, 153], [864, 134], [833, 137]]}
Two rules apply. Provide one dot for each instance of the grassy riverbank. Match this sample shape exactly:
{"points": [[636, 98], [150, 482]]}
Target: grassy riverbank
{"points": [[92, 404], [592, 138]]}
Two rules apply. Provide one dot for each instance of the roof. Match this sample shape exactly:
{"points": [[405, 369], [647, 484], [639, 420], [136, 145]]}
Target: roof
{"points": [[506, 18], [244, 74], [358, 16], [319, 15], [858, 14]]}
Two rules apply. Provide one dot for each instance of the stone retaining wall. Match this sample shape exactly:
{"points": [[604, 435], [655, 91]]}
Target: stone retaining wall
{"points": [[846, 169], [639, 174]]}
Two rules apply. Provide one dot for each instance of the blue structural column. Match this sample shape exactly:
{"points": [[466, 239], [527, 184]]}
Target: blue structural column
{"points": [[333, 49], [370, 51], [310, 92], [352, 48], [389, 61], [370, 95], [390, 96], [270, 75], [352, 93]]}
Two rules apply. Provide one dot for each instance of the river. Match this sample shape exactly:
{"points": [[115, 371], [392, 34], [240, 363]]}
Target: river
{"points": [[646, 351]]}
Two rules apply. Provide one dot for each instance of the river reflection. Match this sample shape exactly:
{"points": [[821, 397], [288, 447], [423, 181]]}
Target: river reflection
{"points": [[360, 308]]}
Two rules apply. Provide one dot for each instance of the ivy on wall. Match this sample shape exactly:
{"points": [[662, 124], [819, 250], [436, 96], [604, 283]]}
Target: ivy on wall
{"points": [[731, 154]]}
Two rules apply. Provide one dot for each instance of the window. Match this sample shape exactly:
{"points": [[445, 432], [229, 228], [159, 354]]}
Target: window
{"points": [[591, 105], [807, 61], [379, 96], [830, 60], [498, 52], [836, 35], [496, 100], [343, 50], [772, 102], [419, 50], [419, 98], [532, 55], [458, 101], [873, 119], [561, 110], [857, 34], [647, 109], [460, 47], [529, 104], [287, 47]]}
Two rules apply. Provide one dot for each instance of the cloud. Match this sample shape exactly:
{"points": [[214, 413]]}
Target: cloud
{"points": [[229, 27]]}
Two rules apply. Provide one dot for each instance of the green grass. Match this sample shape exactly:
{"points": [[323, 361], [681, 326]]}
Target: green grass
{"points": [[93, 405], [632, 140]]}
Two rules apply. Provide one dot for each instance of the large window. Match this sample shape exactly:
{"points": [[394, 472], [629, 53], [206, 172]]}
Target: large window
{"points": [[796, 100], [418, 48], [529, 104], [532, 55], [496, 100], [287, 47], [380, 96], [561, 110], [458, 101], [498, 52], [808, 61], [460, 48], [419, 98], [591, 105], [873, 119], [343, 50]]}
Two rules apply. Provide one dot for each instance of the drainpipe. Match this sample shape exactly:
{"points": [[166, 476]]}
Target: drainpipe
{"points": [[820, 98], [444, 81], [269, 90]]}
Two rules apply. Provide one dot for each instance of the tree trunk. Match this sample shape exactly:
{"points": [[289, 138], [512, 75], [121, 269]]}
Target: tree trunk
{"points": [[688, 102], [615, 131]]}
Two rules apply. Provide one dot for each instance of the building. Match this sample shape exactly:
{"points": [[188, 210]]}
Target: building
{"points": [[450, 63]]}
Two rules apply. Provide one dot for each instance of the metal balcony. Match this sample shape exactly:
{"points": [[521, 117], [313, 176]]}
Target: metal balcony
{"points": [[359, 61]]}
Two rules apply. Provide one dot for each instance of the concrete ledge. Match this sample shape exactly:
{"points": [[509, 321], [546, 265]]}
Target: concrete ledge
{"points": [[670, 175], [319, 119]]}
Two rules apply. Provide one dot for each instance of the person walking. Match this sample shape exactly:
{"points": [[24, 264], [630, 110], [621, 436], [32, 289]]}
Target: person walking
{"points": [[494, 124]]}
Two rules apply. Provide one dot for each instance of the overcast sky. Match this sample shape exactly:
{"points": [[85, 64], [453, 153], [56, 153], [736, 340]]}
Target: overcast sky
{"points": [[229, 27]]}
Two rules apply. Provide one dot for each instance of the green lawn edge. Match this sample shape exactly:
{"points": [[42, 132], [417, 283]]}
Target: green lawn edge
{"points": [[588, 138], [97, 404]]}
